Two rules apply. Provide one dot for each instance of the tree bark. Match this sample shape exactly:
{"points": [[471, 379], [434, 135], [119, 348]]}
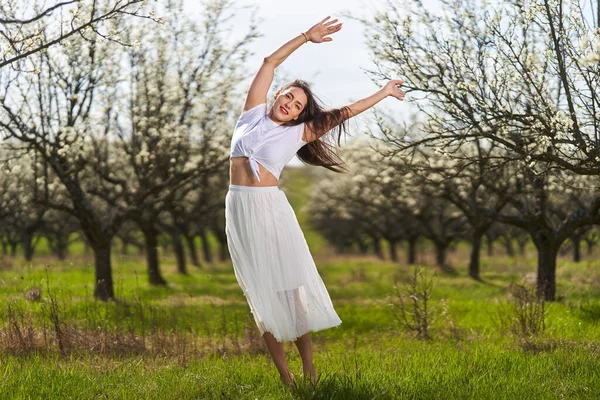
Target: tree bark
{"points": [[206, 247], [490, 245], [546, 271], [192, 249], [590, 247], [59, 244], [28, 247], [104, 284], [179, 252], [576, 240], [223, 250], [393, 250], [546, 279], [412, 250], [152, 261], [522, 246], [62, 247], [508, 245], [377, 247], [475, 255], [440, 255]]}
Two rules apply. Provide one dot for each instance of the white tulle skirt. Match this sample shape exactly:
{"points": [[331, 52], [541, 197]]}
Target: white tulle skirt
{"points": [[273, 264]]}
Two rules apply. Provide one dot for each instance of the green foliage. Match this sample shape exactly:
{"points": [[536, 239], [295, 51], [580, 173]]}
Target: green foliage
{"points": [[196, 339]]}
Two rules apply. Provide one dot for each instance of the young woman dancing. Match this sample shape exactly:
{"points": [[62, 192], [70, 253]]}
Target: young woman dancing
{"points": [[270, 256]]}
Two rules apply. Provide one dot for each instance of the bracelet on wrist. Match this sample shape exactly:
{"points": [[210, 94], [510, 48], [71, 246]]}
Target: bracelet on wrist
{"points": [[305, 37]]}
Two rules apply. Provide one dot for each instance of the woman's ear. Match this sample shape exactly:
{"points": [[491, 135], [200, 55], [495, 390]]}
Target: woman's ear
{"points": [[276, 94]]}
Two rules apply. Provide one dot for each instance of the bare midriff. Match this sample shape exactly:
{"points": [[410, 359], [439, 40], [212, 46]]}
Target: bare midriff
{"points": [[240, 173]]}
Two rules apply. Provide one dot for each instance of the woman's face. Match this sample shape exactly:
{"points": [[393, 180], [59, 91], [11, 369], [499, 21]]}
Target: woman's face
{"points": [[288, 104]]}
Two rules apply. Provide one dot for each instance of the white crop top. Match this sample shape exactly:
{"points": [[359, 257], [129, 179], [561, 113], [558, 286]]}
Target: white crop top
{"points": [[263, 141]]}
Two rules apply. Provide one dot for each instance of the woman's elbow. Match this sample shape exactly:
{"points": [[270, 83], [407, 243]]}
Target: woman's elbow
{"points": [[268, 60]]}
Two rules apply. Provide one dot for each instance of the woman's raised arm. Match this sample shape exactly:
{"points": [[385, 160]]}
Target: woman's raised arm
{"points": [[390, 89], [257, 94]]}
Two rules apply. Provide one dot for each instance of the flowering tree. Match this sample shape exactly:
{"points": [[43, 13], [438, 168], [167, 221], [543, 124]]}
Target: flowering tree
{"points": [[26, 24], [362, 204], [455, 176], [178, 95], [384, 198], [551, 208], [61, 229], [23, 214], [113, 170], [522, 74], [50, 112], [517, 76]]}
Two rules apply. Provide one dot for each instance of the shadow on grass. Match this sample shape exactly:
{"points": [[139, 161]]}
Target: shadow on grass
{"points": [[337, 386], [587, 311]]}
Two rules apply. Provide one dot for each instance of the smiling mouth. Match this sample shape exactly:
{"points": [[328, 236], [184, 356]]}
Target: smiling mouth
{"points": [[283, 110]]}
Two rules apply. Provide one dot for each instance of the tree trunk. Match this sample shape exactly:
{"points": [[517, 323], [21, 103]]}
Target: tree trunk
{"points": [[152, 262], [546, 279], [440, 255], [223, 250], [393, 250], [490, 245], [362, 246], [4, 248], [546, 272], [475, 255], [508, 245], [104, 284], [522, 246], [576, 240], [62, 247], [590, 246], [13, 249], [179, 252], [206, 247], [377, 247], [412, 250], [193, 250], [28, 247]]}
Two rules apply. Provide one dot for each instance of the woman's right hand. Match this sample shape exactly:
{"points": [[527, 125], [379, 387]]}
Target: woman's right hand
{"points": [[317, 33]]}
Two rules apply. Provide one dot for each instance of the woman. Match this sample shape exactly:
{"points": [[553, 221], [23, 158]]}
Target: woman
{"points": [[271, 260]]}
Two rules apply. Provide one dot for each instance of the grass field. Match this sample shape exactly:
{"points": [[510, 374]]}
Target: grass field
{"points": [[195, 339]]}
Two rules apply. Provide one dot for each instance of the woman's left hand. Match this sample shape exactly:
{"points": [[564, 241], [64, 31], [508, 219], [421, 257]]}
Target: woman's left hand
{"points": [[391, 89], [320, 31]]}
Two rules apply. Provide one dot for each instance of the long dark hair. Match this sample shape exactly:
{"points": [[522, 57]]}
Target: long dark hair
{"points": [[319, 152]]}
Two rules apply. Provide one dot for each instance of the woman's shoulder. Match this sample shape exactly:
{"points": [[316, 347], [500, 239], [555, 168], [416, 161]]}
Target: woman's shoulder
{"points": [[254, 113], [250, 118]]}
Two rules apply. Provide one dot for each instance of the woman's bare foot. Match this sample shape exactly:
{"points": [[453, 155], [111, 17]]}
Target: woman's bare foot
{"points": [[310, 373], [289, 380]]}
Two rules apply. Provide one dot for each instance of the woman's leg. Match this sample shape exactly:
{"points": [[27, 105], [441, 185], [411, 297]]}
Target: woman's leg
{"points": [[303, 343], [305, 349], [278, 354]]}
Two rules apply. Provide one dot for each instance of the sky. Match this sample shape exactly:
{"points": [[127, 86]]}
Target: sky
{"points": [[334, 69]]}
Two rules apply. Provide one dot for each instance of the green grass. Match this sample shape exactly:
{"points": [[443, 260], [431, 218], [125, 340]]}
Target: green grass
{"points": [[369, 356], [195, 338]]}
